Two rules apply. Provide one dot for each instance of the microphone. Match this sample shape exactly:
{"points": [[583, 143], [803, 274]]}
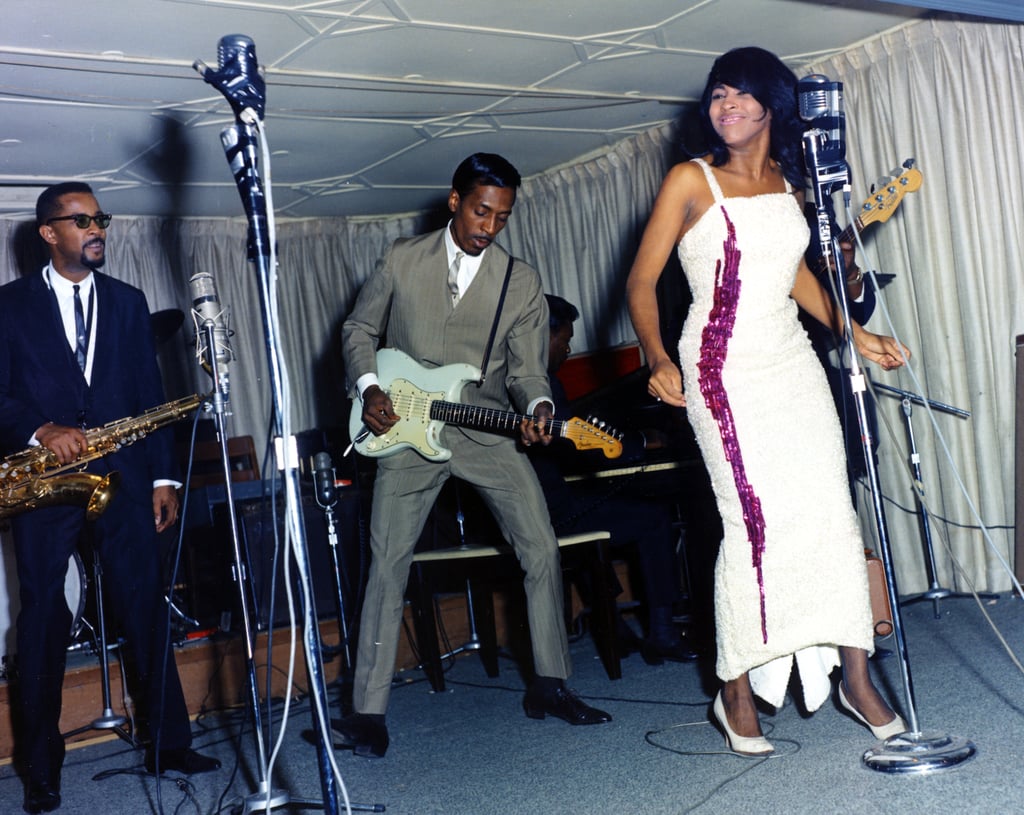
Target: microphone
{"points": [[207, 312], [238, 77], [323, 480], [821, 104]]}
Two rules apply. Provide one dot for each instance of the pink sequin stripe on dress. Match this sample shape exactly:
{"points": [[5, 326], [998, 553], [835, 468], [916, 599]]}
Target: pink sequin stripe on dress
{"points": [[714, 346]]}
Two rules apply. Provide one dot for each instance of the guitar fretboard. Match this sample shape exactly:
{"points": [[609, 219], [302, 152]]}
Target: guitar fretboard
{"points": [[485, 418]]}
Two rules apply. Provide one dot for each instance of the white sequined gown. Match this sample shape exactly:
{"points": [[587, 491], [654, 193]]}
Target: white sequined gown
{"points": [[791, 577]]}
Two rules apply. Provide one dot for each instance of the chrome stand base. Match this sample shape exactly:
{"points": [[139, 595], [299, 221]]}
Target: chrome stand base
{"points": [[918, 753], [265, 798], [108, 720]]}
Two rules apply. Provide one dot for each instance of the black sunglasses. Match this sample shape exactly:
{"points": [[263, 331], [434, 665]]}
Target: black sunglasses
{"points": [[82, 220]]}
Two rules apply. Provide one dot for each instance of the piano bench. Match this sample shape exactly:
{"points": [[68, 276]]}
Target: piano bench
{"points": [[476, 570]]}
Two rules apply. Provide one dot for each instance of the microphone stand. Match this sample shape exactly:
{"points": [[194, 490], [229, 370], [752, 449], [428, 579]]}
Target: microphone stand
{"points": [[239, 141], [935, 590], [473, 643], [911, 752], [219, 400], [327, 499]]}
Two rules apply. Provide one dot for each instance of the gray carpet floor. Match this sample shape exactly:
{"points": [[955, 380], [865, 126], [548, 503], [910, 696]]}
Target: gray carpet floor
{"points": [[472, 751]]}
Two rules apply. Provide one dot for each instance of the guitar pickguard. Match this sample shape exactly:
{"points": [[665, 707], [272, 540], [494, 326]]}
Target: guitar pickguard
{"points": [[412, 403]]}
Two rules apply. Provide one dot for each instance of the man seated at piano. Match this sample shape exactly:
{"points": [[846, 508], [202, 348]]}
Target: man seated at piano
{"points": [[581, 506]]}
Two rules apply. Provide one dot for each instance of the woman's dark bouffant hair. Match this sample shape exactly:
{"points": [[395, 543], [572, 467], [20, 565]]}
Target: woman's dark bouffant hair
{"points": [[764, 76]]}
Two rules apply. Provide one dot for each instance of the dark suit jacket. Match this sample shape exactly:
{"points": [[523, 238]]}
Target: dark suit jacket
{"points": [[40, 381]]}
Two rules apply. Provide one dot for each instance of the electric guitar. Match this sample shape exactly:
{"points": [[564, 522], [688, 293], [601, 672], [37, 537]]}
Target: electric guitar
{"points": [[425, 398], [881, 204]]}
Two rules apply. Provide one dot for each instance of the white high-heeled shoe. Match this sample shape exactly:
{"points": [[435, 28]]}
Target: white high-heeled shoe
{"points": [[880, 732], [741, 745]]}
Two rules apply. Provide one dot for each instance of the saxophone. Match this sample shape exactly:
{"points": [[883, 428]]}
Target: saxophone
{"points": [[34, 478]]}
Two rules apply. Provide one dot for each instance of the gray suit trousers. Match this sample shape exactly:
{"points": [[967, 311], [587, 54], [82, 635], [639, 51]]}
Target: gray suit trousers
{"points": [[405, 490]]}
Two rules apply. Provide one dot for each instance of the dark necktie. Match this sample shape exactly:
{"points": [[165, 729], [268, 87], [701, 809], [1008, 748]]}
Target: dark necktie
{"points": [[80, 337]]}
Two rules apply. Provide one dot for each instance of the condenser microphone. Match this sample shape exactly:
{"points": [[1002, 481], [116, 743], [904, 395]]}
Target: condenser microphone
{"points": [[323, 480], [206, 312], [238, 77], [821, 105]]}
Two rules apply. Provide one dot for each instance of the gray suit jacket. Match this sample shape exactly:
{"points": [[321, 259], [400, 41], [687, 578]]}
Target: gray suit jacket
{"points": [[407, 299]]}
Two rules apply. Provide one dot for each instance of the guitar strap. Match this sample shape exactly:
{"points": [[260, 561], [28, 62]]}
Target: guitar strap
{"points": [[494, 325]]}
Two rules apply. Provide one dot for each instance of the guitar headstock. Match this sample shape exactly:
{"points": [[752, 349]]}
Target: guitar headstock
{"points": [[593, 435], [886, 196]]}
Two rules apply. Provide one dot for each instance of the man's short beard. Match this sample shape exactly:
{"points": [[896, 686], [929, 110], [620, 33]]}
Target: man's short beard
{"points": [[93, 264]]}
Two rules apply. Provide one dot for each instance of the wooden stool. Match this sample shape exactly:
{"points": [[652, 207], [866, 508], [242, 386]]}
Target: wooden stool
{"points": [[482, 567]]}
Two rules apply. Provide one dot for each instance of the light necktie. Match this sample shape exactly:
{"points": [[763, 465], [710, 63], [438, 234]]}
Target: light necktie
{"points": [[453, 277], [80, 336]]}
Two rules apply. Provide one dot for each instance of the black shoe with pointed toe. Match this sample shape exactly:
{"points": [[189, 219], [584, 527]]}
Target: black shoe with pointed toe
{"points": [[41, 797], [564, 704], [367, 735], [657, 653]]}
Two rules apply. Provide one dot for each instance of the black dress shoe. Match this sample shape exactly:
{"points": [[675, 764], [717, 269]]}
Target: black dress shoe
{"points": [[564, 704], [41, 797], [366, 734], [184, 760], [656, 653]]}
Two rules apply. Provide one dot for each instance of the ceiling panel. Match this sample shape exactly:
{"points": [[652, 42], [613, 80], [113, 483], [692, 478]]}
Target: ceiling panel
{"points": [[369, 105]]}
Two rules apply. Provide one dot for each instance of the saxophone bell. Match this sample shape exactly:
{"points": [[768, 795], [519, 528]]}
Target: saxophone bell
{"points": [[88, 490]]}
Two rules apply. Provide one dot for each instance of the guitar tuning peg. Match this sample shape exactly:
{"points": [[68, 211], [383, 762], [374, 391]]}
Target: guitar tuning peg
{"points": [[909, 163], [896, 173]]}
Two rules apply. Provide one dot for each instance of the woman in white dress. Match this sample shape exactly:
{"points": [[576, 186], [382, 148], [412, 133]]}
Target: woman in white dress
{"points": [[790, 581]]}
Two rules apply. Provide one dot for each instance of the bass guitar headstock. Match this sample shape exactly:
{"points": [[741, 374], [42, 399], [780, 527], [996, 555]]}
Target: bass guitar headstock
{"points": [[887, 194]]}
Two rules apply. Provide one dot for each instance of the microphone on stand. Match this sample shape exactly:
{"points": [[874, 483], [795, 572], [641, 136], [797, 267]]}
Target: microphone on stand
{"points": [[323, 481], [820, 101], [821, 104], [211, 325], [238, 76]]}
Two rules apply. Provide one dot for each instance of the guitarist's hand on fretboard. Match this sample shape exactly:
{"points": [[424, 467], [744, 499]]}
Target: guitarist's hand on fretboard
{"points": [[378, 412], [536, 430]]}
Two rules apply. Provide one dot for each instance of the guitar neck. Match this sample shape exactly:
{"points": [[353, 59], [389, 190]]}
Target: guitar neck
{"points": [[481, 418]]}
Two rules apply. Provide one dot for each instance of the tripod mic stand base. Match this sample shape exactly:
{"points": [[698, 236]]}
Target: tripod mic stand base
{"points": [[108, 721], [918, 753], [265, 798]]}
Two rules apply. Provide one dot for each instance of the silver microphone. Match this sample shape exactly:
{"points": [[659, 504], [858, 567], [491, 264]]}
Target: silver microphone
{"points": [[238, 76], [207, 312], [821, 105]]}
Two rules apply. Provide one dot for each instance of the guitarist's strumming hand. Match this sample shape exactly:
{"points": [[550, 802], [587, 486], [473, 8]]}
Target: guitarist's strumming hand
{"points": [[378, 412], [536, 430]]}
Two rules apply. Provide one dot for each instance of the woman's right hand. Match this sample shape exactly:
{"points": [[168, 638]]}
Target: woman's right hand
{"points": [[666, 383]]}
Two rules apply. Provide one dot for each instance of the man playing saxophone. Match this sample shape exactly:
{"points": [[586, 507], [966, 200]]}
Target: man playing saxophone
{"points": [[76, 351]]}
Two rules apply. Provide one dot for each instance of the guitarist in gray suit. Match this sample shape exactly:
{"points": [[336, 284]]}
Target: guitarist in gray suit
{"points": [[436, 297]]}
